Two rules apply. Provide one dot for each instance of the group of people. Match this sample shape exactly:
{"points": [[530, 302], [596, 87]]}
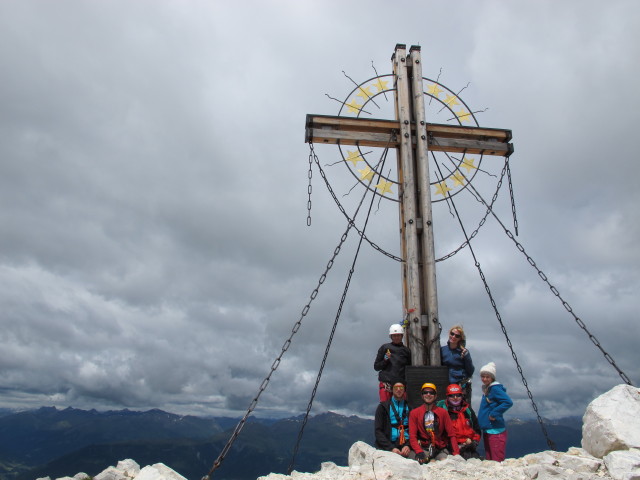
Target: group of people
{"points": [[437, 429]]}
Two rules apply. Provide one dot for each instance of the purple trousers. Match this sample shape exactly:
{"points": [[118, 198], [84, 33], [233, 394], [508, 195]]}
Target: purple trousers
{"points": [[495, 446]]}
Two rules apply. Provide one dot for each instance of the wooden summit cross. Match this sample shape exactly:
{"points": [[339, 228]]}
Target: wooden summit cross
{"points": [[413, 137]]}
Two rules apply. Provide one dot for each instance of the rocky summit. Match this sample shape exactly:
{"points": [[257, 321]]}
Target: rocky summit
{"points": [[128, 470], [610, 450]]}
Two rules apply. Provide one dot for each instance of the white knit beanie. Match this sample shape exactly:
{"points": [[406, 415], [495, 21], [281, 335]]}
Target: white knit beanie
{"points": [[489, 368]]}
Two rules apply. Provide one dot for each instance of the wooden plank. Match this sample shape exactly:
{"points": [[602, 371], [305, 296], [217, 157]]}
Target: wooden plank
{"points": [[469, 132], [429, 314], [383, 140], [346, 137], [350, 123], [463, 145], [382, 133], [409, 209]]}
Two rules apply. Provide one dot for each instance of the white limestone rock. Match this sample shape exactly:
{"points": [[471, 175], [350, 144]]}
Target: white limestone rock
{"points": [[110, 473], [623, 464], [541, 458], [612, 421], [391, 465], [580, 463], [125, 470], [360, 454], [543, 471], [367, 463], [328, 471], [158, 471], [128, 467], [585, 476]]}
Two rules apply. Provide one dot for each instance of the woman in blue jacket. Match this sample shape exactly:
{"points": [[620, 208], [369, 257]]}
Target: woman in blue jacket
{"points": [[494, 403], [456, 356]]}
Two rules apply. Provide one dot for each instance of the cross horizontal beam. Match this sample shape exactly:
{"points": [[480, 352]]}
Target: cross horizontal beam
{"points": [[384, 133]]}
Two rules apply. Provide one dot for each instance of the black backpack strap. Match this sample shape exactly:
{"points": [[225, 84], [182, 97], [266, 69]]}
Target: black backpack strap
{"points": [[399, 417]]}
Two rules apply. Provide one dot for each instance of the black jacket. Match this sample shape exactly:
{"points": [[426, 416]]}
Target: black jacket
{"points": [[383, 426], [392, 370]]}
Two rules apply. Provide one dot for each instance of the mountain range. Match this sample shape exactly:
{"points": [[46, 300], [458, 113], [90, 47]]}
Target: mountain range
{"points": [[55, 443]]}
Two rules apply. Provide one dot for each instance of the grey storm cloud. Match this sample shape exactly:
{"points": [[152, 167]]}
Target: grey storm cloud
{"points": [[154, 251]]}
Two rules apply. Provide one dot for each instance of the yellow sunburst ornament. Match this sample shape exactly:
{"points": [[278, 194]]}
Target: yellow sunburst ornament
{"points": [[463, 115], [443, 106], [442, 189], [366, 174], [458, 179], [451, 101], [434, 90], [384, 187], [353, 106], [365, 93], [380, 84], [467, 164], [353, 157]]}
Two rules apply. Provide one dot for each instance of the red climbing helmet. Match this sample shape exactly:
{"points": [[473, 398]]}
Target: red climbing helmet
{"points": [[453, 389]]}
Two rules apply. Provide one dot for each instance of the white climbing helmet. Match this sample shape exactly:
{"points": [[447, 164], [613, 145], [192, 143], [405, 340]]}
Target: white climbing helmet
{"points": [[396, 328]]}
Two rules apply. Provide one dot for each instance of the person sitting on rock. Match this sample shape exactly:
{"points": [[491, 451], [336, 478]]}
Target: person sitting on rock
{"points": [[392, 423], [494, 403], [464, 420], [390, 362], [430, 429]]}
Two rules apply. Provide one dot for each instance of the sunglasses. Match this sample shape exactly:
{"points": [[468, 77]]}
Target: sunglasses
{"points": [[455, 395], [428, 392], [398, 387], [457, 335]]}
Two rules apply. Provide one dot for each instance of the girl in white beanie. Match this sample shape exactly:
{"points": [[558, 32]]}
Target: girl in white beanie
{"points": [[494, 403]]}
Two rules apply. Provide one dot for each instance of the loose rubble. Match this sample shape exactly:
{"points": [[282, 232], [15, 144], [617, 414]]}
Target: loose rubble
{"points": [[128, 470]]}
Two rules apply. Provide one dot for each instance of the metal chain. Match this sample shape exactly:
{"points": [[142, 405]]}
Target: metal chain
{"points": [[333, 330], [276, 363], [550, 442], [580, 323], [346, 215], [555, 291], [309, 189], [513, 200], [482, 221]]}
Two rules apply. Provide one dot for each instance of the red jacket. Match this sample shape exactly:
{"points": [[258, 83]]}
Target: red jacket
{"points": [[444, 435], [463, 426]]}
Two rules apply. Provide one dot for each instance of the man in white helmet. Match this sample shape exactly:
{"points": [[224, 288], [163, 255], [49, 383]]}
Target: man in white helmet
{"points": [[391, 360]]}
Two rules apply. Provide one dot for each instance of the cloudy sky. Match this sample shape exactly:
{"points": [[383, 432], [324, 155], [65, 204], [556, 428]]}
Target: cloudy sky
{"points": [[154, 247]]}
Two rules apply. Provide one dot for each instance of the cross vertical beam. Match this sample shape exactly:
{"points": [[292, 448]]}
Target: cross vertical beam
{"points": [[429, 290], [416, 226]]}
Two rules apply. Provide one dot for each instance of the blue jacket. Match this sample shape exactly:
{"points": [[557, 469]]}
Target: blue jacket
{"points": [[494, 403], [459, 367]]}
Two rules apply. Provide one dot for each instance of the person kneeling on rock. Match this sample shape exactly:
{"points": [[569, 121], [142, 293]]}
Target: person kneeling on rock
{"points": [[392, 423], [430, 429], [464, 420]]}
